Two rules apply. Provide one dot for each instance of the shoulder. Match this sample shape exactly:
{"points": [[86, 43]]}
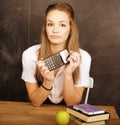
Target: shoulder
{"points": [[85, 55], [31, 52], [32, 49]]}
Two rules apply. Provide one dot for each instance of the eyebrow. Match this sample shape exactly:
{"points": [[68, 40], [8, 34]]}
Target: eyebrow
{"points": [[63, 21]]}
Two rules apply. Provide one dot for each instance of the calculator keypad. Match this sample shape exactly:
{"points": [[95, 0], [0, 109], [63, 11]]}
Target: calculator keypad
{"points": [[53, 61]]}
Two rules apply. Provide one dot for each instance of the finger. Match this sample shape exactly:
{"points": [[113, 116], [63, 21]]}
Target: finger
{"points": [[41, 66], [73, 58], [46, 71], [76, 57], [70, 60]]}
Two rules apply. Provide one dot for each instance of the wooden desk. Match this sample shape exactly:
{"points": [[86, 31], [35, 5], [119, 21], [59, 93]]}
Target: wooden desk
{"points": [[23, 113]]}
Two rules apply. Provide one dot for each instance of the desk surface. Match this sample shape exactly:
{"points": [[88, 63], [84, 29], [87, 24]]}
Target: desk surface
{"points": [[23, 113]]}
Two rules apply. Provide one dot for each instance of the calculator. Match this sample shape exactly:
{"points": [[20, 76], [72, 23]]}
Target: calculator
{"points": [[56, 60]]}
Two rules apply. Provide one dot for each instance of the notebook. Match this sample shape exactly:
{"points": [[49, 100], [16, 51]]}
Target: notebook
{"points": [[88, 109]]}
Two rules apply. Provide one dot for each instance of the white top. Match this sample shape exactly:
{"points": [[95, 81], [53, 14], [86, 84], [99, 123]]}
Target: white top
{"points": [[29, 59]]}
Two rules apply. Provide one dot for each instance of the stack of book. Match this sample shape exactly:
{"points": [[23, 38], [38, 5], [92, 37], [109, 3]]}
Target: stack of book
{"points": [[86, 114]]}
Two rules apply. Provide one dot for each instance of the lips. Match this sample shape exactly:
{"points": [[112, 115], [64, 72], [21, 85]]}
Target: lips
{"points": [[55, 37]]}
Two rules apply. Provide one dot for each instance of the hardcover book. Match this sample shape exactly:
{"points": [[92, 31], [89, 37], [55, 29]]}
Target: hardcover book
{"points": [[81, 122], [88, 118], [88, 109]]}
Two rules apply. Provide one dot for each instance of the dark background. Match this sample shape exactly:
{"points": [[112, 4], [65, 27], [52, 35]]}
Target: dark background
{"points": [[99, 25]]}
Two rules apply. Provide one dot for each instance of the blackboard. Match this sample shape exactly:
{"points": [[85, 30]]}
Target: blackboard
{"points": [[99, 25]]}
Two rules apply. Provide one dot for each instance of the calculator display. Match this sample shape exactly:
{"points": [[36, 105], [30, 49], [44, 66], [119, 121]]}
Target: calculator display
{"points": [[56, 60]]}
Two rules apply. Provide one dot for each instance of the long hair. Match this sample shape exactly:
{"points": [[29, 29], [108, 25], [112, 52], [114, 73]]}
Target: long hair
{"points": [[72, 42]]}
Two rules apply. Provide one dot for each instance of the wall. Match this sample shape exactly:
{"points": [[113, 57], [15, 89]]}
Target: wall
{"points": [[99, 24]]}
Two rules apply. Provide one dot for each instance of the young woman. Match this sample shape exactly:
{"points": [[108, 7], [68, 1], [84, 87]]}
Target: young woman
{"points": [[67, 82]]}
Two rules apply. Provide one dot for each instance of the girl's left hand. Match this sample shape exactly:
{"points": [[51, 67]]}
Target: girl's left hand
{"points": [[74, 61]]}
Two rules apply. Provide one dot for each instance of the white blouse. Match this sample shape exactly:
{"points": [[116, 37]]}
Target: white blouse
{"points": [[29, 59]]}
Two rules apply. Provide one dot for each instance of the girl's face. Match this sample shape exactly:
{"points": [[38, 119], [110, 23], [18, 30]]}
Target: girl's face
{"points": [[57, 27]]}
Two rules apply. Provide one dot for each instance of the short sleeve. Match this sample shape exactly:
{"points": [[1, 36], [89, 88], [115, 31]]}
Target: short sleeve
{"points": [[29, 59], [84, 69]]}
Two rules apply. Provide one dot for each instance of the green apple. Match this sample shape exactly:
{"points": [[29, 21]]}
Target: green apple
{"points": [[62, 117]]}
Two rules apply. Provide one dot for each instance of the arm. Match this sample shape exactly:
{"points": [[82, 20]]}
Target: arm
{"points": [[38, 94], [72, 93]]}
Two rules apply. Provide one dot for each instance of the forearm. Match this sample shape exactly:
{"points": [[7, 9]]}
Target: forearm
{"points": [[72, 95], [39, 95]]}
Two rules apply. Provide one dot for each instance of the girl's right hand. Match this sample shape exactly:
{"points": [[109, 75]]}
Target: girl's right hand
{"points": [[47, 75]]}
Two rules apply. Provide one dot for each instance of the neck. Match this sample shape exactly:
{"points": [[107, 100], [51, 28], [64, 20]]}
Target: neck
{"points": [[56, 48]]}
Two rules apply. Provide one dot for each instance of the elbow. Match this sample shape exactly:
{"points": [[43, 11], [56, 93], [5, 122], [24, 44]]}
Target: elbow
{"points": [[73, 102], [34, 101], [36, 104]]}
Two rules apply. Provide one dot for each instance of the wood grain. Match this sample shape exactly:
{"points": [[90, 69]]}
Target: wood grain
{"points": [[23, 113]]}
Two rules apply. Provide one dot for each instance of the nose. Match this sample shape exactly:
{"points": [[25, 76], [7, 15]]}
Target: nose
{"points": [[55, 29]]}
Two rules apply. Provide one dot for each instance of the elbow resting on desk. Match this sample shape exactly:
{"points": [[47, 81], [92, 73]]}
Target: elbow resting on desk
{"points": [[71, 102], [36, 104]]}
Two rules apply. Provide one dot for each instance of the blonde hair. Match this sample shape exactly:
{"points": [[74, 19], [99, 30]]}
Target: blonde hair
{"points": [[72, 42]]}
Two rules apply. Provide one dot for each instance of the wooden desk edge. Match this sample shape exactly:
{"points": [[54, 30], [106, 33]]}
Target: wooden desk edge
{"points": [[110, 109]]}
